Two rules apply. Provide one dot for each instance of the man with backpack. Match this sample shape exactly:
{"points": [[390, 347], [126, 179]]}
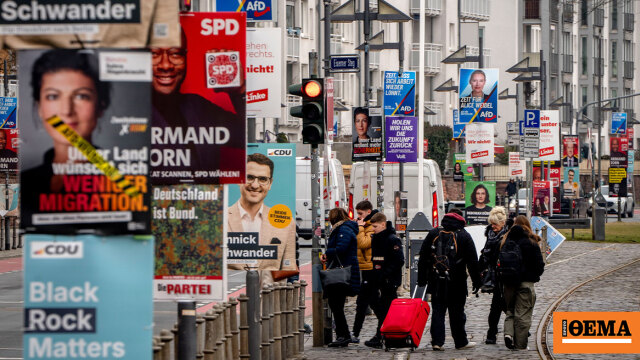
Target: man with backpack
{"points": [[446, 255]]}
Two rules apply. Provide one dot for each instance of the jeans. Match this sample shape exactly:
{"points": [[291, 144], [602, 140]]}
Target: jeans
{"points": [[519, 303], [336, 304], [367, 293], [452, 300]]}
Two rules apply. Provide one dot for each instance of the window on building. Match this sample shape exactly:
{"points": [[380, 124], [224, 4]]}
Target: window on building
{"points": [[628, 6], [584, 99], [567, 46], [584, 57], [614, 94], [291, 17], [452, 35], [584, 12], [614, 58], [552, 35], [614, 14], [628, 50]]}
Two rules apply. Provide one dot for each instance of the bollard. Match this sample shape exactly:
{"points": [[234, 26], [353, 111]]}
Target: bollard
{"points": [[283, 320], [296, 315], [277, 331], [199, 336], [228, 338], [209, 342], [234, 329], [272, 295], [166, 337], [253, 313], [157, 348], [303, 307], [265, 322], [288, 342], [175, 339], [244, 327], [219, 354]]}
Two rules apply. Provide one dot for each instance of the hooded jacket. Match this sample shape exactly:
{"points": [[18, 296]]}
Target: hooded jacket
{"points": [[489, 254], [387, 256], [342, 249], [466, 255], [531, 256], [364, 243]]}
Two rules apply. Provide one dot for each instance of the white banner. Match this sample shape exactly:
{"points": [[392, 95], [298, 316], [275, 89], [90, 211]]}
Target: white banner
{"points": [[264, 72], [479, 142], [517, 166], [549, 135]]}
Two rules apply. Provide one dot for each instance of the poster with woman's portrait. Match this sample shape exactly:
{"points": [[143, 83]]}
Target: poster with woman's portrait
{"points": [[400, 210], [84, 157], [478, 95], [480, 198], [367, 134]]}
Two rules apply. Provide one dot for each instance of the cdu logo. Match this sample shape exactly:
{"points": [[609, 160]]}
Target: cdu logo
{"points": [[280, 152], [57, 250]]}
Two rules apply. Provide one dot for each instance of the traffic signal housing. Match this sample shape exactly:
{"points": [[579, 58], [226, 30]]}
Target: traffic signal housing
{"points": [[312, 110]]}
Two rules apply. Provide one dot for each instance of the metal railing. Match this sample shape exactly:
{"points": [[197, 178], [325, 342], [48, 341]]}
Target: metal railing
{"points": [[567, 13], [432, 57], [567, 64], [474, 51], [293, 48], [432, 7], [532, 9], [554, 63], [336, 44], [553, 13], [13, 241], [475, 10], [628, 69], [628, 22], [598, 17]]}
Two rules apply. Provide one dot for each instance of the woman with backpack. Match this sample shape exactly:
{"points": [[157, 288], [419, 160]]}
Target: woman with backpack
{"points": [[495, 231], [519, 266], [342, 250]]}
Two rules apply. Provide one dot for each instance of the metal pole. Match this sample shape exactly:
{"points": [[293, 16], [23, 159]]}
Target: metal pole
{"points": [[253, 310], [599, 110], [318, 323], [7, 223], [187, 330], [367, 32], [251, 130], [480, 65], [400, 48], [327, 39], [420, 108]]}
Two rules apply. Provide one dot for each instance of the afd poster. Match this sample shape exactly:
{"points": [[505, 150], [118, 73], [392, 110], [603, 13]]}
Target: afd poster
{"points": [[401, 134], [480, 198], [84, 159], [458, 127], [367, 134], [88, 297], [188, 227], [199, 124], [8, 112], [264, 72], [549, 135], [261, 224], [9, 141], [399, 93], [480, 143], [478, 95], [618, 123], [256, 10]]}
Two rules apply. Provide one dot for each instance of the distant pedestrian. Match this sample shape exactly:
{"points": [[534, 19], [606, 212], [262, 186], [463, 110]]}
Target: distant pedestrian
{"points": [[388, 259], [511, 188], [520, 265], [342, 250], [497, 228], [446, 255], [365, 211]]}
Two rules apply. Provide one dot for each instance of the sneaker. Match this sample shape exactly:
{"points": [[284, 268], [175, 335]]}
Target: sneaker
{"points": [[374, 342], [355, 340], [469, 345], [508, 341], [340, 342], [438, 347]]}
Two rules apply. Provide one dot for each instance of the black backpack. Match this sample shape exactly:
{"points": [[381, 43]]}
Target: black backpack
{"points": [[510, 267], [443, 249]]}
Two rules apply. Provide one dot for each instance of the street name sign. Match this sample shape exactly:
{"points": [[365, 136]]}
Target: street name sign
{"points": [[345, 63]]}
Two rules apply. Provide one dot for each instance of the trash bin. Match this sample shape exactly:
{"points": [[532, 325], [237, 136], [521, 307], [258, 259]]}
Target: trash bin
{"points": [[598, 223]]}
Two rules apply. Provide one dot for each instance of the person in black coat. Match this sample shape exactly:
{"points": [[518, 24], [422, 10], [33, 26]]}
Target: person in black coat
{"points": [[342, 249], [388, 259], [450, 293]]}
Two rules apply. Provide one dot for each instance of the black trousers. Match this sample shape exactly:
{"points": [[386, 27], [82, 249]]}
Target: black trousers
{"points": [[367, 293], [453, 300], [382, 302], [336, 302], [494, 313]]}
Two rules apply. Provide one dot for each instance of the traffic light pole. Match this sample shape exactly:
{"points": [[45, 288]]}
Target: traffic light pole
{"points": [[317, 303]]}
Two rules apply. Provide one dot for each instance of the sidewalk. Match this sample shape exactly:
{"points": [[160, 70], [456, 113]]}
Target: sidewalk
{"points": [[572, 263]]}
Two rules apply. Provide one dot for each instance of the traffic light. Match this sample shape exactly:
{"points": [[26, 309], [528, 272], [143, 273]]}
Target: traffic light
{"points": [[312, 110]]}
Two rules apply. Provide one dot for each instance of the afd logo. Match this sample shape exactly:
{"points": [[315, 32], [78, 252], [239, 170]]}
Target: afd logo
{"points": [[280, 152], [257, 10], [57, 250]]}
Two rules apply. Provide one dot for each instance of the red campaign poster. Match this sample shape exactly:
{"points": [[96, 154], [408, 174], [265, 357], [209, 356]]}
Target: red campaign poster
{"points": [[541, 198], [630, 137], [570, 151], [199, 123], [8, 149], [619, 147]]}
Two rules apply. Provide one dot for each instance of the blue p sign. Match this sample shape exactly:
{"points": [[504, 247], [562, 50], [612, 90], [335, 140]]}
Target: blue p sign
{"points": [[532, 119]]}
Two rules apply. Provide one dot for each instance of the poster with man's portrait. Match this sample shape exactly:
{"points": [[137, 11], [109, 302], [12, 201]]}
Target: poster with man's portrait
{"points": [[570, 151], [480, 198], [571, 183], [619, 146], [84, 153], [400, 210], [542, 198], [367, 134], [261, 227], [9, 149]]}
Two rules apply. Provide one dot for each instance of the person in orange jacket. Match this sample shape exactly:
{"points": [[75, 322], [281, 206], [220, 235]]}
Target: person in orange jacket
{"points": [[365, 211]]}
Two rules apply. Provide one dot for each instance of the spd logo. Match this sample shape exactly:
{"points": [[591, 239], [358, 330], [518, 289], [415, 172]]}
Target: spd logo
{"points": [[596, 332], [57, 250], [280, 152]]}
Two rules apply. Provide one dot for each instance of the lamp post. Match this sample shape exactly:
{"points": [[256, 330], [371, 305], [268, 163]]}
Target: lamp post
{"points": [[504, 95]]}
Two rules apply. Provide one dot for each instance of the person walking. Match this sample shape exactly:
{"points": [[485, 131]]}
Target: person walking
{"points": [[519, 245], [497, 228], [365, 211], [342, 250], [388, 259], [445, 256]]}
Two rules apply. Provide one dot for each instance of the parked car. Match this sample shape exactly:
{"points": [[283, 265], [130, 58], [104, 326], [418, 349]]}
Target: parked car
{"points": [[627, 204], [565, 204]]}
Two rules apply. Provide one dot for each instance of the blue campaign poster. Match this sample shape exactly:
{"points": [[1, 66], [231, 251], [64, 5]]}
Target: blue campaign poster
{"points": [[257, 10], [458, 127], [619, 123], [554, 237], [88, 297], [399, 93], [8, 107], [478, 95]]}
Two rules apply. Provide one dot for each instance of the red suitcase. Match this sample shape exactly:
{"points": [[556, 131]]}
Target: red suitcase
{"points": [[405, 322]]}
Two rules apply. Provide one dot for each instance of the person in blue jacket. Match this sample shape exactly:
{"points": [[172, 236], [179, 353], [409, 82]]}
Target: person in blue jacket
{"points": [[342, 249]]}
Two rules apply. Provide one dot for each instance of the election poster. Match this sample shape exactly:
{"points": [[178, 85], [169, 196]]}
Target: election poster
{"points": [[618, 123], [8, 112], [617, 182], [199, 123], [549, 148], [264, 72], [542, 201], [28, 24], [88, 297], [399, 93], [402, 138], [552, 174], [458, 127], [630, 136], [571, 183], [13, 194], [478, 95], [517, 166], [400, 201], [461, 170], [261, 227], [554, 237], [570, 151], [84, 159], [619, 146], [256, 10], [480, 144], [630, 167], [480, 198], [367, 134], [188, 224], [9, 141]]}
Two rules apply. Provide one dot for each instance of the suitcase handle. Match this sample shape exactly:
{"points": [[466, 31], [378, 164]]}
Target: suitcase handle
{"points": [[416, 290]]}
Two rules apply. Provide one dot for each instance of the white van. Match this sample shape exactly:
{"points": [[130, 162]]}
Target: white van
{"points": [[337, 192], [433, 195]]}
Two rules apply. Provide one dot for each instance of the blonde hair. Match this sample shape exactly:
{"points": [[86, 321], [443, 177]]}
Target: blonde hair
{"points": [[524, 223], [498, 215]]}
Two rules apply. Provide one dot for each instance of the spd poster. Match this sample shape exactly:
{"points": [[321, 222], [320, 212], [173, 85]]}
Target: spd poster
{"points": [[367, 134], [619, 147], [478, 95], [542, 201], [480, 198], [199, 124], [9, 149], [261, 227], [84, 159]]}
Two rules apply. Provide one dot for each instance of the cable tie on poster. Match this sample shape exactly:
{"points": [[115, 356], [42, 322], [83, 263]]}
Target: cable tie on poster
{"points": [[93, 156]]}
